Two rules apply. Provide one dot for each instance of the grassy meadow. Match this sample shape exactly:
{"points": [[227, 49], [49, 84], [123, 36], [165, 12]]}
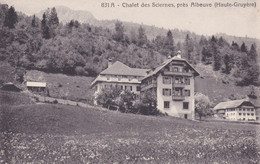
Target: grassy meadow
{"points": [[76, 88], [52, 133]]}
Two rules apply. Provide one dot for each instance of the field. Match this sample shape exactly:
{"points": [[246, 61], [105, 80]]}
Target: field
{"points": [[76, 88], [51, 133]]}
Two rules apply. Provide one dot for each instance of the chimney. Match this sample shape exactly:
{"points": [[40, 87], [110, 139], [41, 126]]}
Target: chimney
{"points": [[179, 54], [109, 62], [169, 56]]}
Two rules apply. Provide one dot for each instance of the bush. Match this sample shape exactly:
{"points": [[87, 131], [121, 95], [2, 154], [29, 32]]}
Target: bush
{"points": [[80, 71]]}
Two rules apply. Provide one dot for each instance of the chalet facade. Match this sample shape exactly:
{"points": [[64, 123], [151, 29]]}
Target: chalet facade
{"points": [[119, 75], [236, 110], [172, 83]]}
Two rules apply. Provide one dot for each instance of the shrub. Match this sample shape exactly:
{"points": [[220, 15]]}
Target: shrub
{"points": [[80, 71]]}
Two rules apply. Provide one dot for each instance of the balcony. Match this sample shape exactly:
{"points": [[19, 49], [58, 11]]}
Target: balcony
{"points": [[178, 97], [153, 85], [177, 73], [178, 85]]}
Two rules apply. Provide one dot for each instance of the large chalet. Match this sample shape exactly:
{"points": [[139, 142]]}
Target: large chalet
{"points": [[172, 83]]}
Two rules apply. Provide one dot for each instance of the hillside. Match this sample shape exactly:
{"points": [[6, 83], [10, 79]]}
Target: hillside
{"points": [[44, 133], [220, 87]]}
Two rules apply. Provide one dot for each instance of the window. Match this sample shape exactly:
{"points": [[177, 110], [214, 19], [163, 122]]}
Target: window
{"points": [[248, 114], [175, 69], [252, 114], [239, 114], [166, 80], [248, 109], [108, 78], [187, 81], [252, 110], [167, 92], [187, 92], [185, 105], [166, 104], [178, 80], [185, 116], [128, 88], [244, 114], [138, 88], [177, 92]]}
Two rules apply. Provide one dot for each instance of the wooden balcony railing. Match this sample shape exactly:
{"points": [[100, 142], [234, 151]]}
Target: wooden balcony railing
{"points": [[178, 97], [177, 73]]}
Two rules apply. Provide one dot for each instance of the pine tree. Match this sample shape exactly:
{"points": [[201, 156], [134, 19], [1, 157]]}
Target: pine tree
{"points": [[252, 53], [217, 62], [243, 48], [11, 18], [119, 31], [34, 23], [189, 47], [53, 20], [169, 43], [227, 63], [142, 38], [45, 28]]}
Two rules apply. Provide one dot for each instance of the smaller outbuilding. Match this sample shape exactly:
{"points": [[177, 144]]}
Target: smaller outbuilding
{"points": [[10, 87], [236, 110], [36, 86]]}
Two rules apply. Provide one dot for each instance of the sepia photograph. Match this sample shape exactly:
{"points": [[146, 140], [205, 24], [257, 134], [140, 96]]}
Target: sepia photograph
{"points": [[130, 81]]}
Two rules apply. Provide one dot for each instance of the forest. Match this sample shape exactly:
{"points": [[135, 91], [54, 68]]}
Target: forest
{"points": [[75, 48]]}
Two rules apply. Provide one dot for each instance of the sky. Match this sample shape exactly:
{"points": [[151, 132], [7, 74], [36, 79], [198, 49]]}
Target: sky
{"points": [[237, 21]]}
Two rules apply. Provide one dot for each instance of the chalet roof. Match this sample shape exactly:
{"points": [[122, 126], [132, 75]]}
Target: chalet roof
{"points": [[175, 58], [35, 84], [231, 104], [119, 68]]}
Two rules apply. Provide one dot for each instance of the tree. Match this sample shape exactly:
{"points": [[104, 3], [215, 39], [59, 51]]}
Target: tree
{"points": [[34, 23], [45, 29], [217, 62], [189, 47], [142, 38], [252, 53], [244, 48], [119, 31], [53, 20], [108, 96], [252, 93], [11, 18], [202, 104], [227, 63]]}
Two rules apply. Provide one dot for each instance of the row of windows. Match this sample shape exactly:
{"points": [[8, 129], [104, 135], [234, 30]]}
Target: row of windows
{"points": [[176, 92], [119, 78], [176, 80], [167, 105], [240, 114], [241, 109], [176, 69], [138, 88], [252, 114]]}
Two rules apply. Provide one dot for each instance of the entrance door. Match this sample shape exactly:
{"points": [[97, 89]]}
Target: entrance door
{"points": [[185, 116]]}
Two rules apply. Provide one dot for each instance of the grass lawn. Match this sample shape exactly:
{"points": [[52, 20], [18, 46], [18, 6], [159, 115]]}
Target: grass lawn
{"points": [[47, 133]]}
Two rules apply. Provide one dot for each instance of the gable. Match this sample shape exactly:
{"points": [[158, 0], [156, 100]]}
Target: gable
{"points": [[173, 61]]}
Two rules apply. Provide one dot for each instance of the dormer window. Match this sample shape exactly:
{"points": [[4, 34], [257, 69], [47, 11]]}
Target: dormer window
{"points": [[175, 69]]}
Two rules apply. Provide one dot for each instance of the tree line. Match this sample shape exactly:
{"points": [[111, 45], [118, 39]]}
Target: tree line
{"points": [[82, 49]]}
